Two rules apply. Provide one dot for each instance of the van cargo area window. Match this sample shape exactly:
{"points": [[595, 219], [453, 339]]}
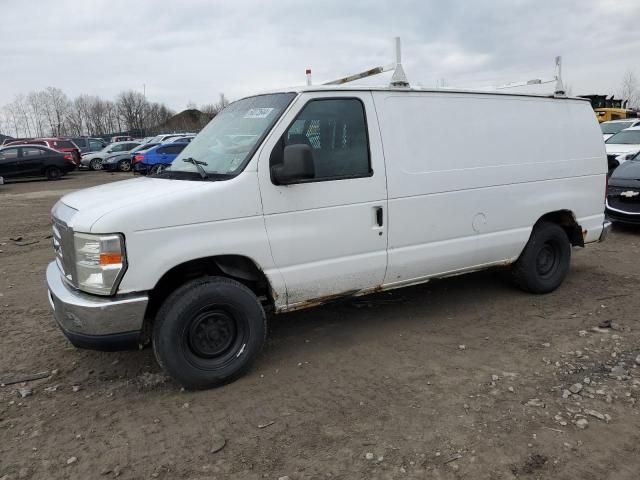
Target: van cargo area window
{"points": [[336, 131]]}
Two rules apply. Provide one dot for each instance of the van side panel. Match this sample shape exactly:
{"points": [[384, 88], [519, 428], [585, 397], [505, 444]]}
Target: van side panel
{"points": [[470, 174]]}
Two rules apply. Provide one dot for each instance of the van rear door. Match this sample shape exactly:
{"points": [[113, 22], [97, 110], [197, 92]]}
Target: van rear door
{"points": [[328, 232]]}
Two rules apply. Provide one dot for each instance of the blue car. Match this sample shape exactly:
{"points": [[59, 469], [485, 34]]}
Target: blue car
{"points": [[157, 158]]}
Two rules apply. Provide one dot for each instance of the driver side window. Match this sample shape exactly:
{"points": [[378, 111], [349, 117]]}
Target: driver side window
{"points": [[336, 131]]}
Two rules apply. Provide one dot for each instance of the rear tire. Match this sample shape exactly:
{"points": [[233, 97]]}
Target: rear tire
{"points": [[544, 262], [208, 332], [158, 168], [95, 164], [53, 173]]}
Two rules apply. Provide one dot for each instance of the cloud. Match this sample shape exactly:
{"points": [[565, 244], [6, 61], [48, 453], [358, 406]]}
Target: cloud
{"points": [[192, 50]]}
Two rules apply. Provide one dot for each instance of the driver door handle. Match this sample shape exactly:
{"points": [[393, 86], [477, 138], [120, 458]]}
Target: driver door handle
{"points": [[379, 216]]}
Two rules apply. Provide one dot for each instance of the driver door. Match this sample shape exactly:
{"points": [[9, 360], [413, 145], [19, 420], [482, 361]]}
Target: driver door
{"points": [[328, 233]]}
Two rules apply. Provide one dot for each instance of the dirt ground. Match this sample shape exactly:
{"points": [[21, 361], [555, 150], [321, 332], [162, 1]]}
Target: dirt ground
{"points": [[459, 378]]}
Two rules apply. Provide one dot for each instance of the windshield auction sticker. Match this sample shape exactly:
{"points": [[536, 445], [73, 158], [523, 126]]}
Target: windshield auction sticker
{"points": [[258, 112]]}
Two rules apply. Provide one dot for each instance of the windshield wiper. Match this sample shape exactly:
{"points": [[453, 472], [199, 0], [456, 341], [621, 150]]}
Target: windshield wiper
{"points": [[198, 164]]}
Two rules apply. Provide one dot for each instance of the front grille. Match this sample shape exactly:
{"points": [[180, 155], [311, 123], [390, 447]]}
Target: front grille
{"points": [[622, 198], [63, 246], [62, 216]]}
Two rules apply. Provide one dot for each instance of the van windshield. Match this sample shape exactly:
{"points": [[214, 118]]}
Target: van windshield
{"points": [[225, 145]]}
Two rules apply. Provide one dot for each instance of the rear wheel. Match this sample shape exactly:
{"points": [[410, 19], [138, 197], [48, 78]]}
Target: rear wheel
{"points": [[208, 332], [53, 173], [159, 168], [124, 165], [95, 164], [544, 262]]}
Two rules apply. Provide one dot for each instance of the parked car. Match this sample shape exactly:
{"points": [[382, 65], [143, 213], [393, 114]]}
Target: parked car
{"points": [[180, 138], [94, 160], [168, 136], [292, 199], [614, 126], [34, 161], [88, 144], [622, 145], [60, 144], [123, 161], [122, 138], [623, 192], [157, 158]]}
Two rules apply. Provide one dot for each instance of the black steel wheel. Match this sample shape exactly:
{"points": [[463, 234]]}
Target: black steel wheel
{"points": [[208, 332], [544, 262]]}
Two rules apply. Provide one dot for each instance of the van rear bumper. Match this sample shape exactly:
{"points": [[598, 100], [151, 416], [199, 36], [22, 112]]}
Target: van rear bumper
{"points": [[97, 323], [606, 229]]}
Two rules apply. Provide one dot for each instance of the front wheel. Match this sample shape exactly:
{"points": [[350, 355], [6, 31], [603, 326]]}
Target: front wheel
{"points": [[544, 262], [208, 332], [95, 164], [124, 165]]}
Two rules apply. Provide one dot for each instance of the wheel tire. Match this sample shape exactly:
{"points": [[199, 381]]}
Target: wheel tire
{"points": [[95, 164], [53, 173], [544, 262], [208, 332], [124, 165]]}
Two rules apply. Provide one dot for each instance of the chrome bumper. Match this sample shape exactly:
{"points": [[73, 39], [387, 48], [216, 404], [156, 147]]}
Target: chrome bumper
{"points": [[90, 321]]}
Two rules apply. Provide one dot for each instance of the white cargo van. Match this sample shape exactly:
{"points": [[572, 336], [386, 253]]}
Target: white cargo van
{"points": [[290, 199]]}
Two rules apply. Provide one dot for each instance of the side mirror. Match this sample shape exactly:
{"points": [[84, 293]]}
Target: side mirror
{"points": [[297, 164]]}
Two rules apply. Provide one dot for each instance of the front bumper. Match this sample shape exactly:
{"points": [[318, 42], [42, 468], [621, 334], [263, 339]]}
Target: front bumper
{"points": [[622, 216], [84, 162], [109, 166], [97, 323]]}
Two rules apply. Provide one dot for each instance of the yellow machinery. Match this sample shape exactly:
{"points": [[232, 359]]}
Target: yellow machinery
{"points": [[606, 114]]}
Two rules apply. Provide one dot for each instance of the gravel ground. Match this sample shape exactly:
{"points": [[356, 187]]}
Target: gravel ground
{"points": [[460, 378]]}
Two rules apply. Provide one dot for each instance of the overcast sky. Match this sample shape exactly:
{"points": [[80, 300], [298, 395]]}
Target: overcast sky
{"points": [[190, 50]]}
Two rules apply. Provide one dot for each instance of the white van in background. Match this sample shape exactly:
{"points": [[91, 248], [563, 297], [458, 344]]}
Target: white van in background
{"points": [[291, 199]]}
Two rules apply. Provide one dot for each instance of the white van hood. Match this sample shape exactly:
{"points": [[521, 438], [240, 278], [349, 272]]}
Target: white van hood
{"points": [[95, 202], [119, 194], [156, 203]]}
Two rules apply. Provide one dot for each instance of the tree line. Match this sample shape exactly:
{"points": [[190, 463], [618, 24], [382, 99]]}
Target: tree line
{"points": [[51, 112]]}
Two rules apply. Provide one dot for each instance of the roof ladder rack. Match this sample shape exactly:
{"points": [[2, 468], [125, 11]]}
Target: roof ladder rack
{"points": [[399, 79], [559, 90]]}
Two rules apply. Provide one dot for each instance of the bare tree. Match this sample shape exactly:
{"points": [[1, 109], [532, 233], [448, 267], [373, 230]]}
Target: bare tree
{"points": [[212, 109], [12, 119], [56, 107], [50, 112], [77, 117], [35, 104], [131, 108], [629, 89]]}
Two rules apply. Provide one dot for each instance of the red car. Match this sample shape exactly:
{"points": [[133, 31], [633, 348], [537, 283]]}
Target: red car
{"points": [[60, 144]]}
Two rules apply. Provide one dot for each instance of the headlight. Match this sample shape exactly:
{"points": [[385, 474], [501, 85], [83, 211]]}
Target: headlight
{"points": [[100, 262]]}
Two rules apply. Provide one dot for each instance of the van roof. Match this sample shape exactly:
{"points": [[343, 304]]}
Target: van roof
{"points": [[360, 88]]}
